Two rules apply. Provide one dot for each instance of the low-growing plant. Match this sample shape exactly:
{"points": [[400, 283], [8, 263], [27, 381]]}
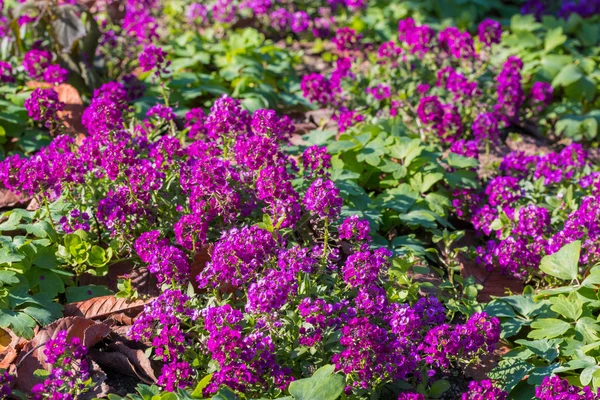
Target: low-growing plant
{"points": [[443, 86], [561, 52], [552, 331], [289, 287], [534, 206]]}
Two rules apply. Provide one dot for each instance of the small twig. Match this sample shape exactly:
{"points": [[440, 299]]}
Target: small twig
{"points": [[27, 355]]}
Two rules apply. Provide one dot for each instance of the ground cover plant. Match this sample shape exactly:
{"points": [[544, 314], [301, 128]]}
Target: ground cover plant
{"points": [[175, 226]]}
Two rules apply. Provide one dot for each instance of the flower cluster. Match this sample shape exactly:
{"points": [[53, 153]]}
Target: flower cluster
{"points": [[70, 369], [439, 80], [302, 17], [525, 228], [555, 388]]}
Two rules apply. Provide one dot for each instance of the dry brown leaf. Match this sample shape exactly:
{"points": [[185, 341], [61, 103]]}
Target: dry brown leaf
{"points": [[144, 282], [73, 109], [9, 199], [199, 263], [103, 307], [31, 356], [137, 358], [8, 345]]}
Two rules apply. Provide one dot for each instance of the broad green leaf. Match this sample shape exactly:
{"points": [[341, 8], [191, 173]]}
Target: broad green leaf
{"points": [[46, 258], [439, 388], [548, 328], [8, 277], [588, 328], [546, 349], [82, 293], [324, 386], [422, 218], [422, 182], [224, 394], [509, 372], [587, 374], [564, 263], [20, 323], [554, 38], [570, 73], [44, 316], [201, 385], [457, 161], [570, 308]]}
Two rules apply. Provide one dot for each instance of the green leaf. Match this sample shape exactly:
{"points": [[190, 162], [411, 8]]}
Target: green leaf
{"points": [[457, 161], [400, 199], [201, 385], [570, 308], [570, 73], [588, 328], [82, 293], [423, 182], [46, 258], [67, 27], [587, 374], [554, 38], [323, 386], [20, 323], [548, 328], [564, 263], [546, 349], [422, 218], [8, 277], [509, 372], [41, 373], [44, 316], [593, 279], [224, 394], [99, 257], [439, 388]]}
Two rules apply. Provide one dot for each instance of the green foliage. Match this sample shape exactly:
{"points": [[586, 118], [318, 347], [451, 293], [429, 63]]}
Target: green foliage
{"points": [[322, 385], [35, 269], [244, 65], [561, 52], [555, 330], [401, 185]]}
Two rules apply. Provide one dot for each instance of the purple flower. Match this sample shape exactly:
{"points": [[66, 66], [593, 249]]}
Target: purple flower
{"points": [[346, 39], [430, 110], [366, 268], [490, 32], [555, 388], [237, 257], [43, 105], [55, 74], [35, 62], [299, 21], [541, 93], [318, 89], [485, 128], [6, 72], [484, 390], [323, 199], [161, 111], [355, 229], [316, 160], [153, 58]]}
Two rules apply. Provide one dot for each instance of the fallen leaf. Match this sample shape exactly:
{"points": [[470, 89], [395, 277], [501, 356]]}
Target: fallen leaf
{"points": [[32, 356], [199, 263], [72, 111], [128, 361], [9, 199], [8, 347], [103, 307]]}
